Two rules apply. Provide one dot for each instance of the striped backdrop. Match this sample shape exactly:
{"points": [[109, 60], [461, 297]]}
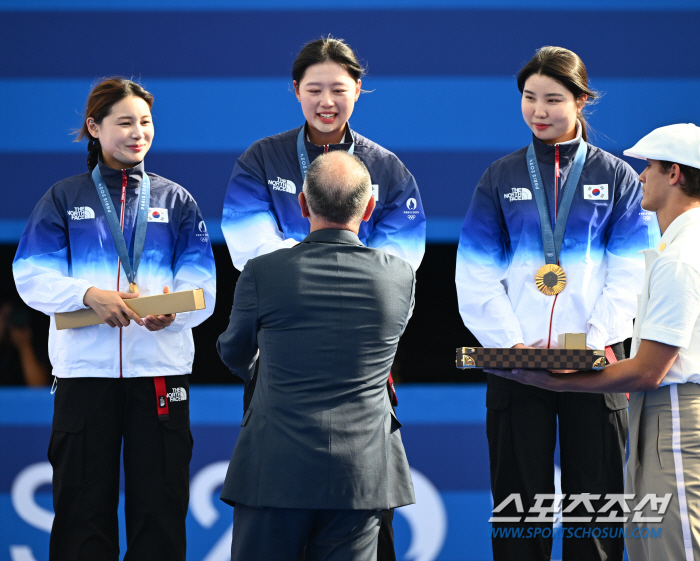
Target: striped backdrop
{"points": [[441, 82]]}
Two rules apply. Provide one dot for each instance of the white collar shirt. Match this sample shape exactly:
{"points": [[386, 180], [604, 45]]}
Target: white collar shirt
{"points": [[669, 305]]}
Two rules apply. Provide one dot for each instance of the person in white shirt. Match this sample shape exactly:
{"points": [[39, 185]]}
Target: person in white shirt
{"points": [[663, 374]]}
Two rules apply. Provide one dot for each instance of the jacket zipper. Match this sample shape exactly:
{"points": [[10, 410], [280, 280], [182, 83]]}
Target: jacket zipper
{"points": [[557, 175], [119, 264]]}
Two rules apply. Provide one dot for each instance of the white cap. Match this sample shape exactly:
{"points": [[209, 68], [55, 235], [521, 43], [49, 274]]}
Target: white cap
{"points": [[675, 143]]}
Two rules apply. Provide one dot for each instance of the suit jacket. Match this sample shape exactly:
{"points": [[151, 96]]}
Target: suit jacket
{"points": [[320, 432]]}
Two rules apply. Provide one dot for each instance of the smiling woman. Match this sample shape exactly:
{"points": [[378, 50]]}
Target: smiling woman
{"points": [[125, 135], [118, 117], [261, 209], [95, 240], [550, 246]]}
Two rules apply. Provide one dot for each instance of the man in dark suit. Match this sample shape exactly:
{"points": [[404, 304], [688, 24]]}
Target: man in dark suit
{"points": [[319, 454]]}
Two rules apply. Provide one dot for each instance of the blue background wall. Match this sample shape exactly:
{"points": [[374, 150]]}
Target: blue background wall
{"points": [[441, 73], [443, 97]]}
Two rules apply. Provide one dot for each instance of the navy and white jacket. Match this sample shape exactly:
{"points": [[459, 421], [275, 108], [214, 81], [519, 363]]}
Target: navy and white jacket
{"points": [[262, 214], [67, 247], [501, 250]]}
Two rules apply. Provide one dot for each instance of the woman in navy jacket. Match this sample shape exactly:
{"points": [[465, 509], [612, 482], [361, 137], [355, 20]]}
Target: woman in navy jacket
{"points": [[261, 210], [129, 384], [513, 292]]}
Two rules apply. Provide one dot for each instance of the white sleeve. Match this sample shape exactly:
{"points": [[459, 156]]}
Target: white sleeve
{"points": [[482, 267], [396, 231], [248, 221], [673, 310], [41, 265], [611, 321], [193, 267]]}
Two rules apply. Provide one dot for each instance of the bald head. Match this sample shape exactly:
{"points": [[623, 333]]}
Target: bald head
{"points": [[337, 188]]}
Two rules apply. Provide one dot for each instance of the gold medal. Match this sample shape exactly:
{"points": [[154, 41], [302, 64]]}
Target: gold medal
{"points": [[550, 279], [133, 288]]}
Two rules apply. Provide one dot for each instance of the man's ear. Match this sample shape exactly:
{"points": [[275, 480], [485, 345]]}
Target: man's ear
{"points": [[675, 175], [303, 205], [369, 210]]}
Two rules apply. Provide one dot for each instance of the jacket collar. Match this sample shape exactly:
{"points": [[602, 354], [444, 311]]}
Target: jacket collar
{"points": [[313, 150], [330, 235], [688, 218], [567, 150], [113, 177]]}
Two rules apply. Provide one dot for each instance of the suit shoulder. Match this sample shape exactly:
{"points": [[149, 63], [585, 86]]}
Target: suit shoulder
{"points": [[393, 265], [271, 259]]}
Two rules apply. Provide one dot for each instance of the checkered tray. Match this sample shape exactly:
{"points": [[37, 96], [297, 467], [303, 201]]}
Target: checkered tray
{"points": [[547, 359]]}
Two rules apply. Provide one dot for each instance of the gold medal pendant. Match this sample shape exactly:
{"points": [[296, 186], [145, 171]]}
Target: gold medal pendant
{"points": [[135, 289], [550, 279]]}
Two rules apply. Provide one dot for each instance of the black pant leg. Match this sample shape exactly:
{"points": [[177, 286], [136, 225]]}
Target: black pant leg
{"points": [[385, 545], [270, 533], [343, 535], [521, 430], [156, 470], [84, 452]]}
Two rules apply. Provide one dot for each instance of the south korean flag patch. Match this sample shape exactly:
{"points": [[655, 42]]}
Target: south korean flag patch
{"points": [[596, 192], [158, 215]]}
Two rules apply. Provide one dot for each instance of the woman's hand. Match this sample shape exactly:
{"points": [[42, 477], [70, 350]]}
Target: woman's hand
{"points": [[156, 323], [110, 306]]}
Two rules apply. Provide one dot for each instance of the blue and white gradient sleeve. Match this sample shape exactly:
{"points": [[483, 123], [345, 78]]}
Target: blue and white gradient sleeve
{"points": [[249, 222], [631, 230], [41, 265], [482, 266], [400, 230], [193, 265]]}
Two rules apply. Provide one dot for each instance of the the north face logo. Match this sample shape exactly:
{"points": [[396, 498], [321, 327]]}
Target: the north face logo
{"points": [[518, 194], [81, 213], [283, 185], [178, 394]]}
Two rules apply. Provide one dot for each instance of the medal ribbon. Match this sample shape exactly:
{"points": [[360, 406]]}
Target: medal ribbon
{"points": [[117, 234], [304, 162], [552, 240]]}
